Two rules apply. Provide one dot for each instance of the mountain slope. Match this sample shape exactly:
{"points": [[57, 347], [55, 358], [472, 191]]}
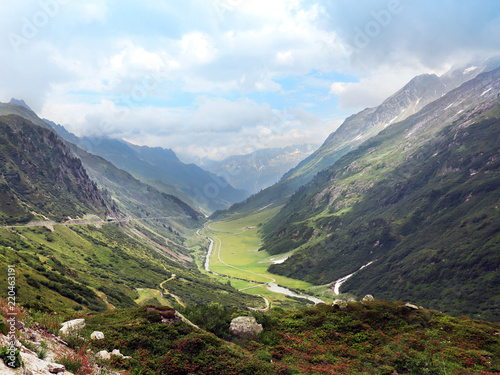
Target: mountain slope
{"points": [[24, 111], [40, 176], [205, 189], [165, 214], [420, 199], [133, 196], [360, 127]]}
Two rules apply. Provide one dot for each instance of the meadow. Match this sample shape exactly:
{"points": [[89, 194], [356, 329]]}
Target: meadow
{"points": [[236, 259]]}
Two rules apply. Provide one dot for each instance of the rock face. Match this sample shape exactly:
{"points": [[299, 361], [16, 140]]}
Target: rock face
{"points": [[72, 326], [244, 326]]}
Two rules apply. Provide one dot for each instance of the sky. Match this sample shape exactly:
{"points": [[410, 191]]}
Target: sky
{"points": [[213, 78]]}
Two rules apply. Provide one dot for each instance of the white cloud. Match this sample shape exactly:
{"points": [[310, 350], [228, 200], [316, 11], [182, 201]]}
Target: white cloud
{"points": [[372, 90], [188, 69]]}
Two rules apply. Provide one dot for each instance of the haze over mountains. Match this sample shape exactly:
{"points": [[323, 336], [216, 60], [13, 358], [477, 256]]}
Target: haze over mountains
{"points": [[409, 187], [359, 127], [261, 168]]}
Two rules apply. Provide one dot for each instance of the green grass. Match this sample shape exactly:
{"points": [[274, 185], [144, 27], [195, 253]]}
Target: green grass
{"points": [[378, 337], [241, 240]]}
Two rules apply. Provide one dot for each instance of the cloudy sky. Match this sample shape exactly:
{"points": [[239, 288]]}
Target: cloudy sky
{"points": [[211, 78]]}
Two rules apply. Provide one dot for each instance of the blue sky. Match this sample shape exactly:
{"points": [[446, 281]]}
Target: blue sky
{"points": [[211, 78]]}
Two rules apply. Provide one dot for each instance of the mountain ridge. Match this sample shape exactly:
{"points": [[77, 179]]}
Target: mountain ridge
{"points": [[359, 127], [29, 176], [394, 189]]}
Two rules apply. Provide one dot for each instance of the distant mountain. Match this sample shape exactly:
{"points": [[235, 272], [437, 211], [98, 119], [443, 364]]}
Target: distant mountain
{"points": [[40, 178], [20, 102], [23, 111], [420, 200], [357, 128], [134, 197], [205, 189], [260, 169]]}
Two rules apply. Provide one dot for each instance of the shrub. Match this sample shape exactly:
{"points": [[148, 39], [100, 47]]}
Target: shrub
{"points": [[78, 363], [5, 353]]}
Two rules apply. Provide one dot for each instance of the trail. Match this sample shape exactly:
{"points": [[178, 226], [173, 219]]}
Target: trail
{"points": [[170, 294], [89, 222], [270, 285]]}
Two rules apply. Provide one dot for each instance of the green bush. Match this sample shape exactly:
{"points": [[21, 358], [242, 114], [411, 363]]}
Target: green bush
{"points": [[5, 353]]}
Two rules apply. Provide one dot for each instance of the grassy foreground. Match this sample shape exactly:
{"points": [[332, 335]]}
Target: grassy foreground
{"points": [[377, 337]]}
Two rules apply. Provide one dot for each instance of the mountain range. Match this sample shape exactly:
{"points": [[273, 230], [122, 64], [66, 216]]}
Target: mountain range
{"points": [[404, 197], [418, 202], [360, 127], [260, 169]]}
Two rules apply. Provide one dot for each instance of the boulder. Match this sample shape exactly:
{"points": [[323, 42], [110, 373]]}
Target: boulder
{"points": [[368, 298], [410, 306], [55, 368], [97, 335], [117, 352], [104, 355], [245, 326], [71, 327]]}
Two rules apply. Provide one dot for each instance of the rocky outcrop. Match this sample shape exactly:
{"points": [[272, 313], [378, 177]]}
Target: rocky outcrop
{"points": [[245, 326], [72, 327]]}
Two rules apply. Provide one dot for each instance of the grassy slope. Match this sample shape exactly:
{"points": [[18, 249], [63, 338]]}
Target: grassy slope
{"points": [[373, 338], [425, 210], [107, 259]]}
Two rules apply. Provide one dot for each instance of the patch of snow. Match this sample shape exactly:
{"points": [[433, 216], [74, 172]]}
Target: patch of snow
{"points": [[390, 122], [279, 261], [486, 91], [470, 69], [451, 105]]}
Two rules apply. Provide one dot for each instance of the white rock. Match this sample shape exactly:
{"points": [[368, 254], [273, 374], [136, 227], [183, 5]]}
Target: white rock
{"points": [[71, 327], [245, 326], [103, 354], [368, 298], [55, 368], [97, 335], [409, 305], [117, 352]]}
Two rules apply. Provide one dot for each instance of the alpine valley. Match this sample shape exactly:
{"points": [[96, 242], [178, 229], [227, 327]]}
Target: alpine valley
{"points": [[183, 273]]}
